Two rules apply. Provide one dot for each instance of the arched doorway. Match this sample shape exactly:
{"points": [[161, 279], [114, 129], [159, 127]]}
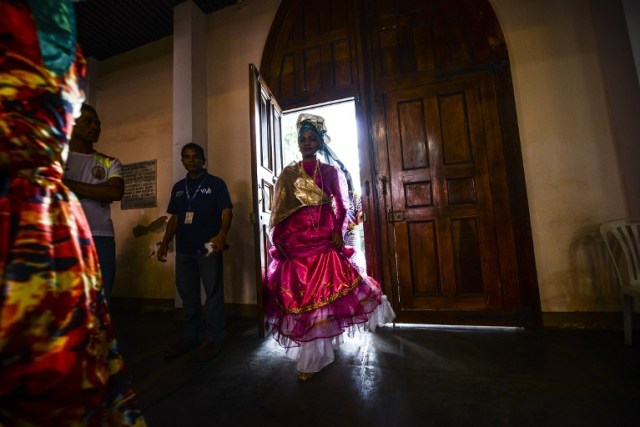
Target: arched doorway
{"points": [[447, 230]]}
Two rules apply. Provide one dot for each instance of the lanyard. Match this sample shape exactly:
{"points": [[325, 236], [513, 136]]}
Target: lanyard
{"points": [[186, 189]]}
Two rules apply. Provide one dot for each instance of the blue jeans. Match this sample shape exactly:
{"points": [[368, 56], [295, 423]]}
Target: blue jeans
{"points": [[191, 270], [106, 248]]}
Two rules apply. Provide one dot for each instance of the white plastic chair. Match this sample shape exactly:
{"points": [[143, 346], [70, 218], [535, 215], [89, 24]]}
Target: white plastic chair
{"points": [[622, 238]]}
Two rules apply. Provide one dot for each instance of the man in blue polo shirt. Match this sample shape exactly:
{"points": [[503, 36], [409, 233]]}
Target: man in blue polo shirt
{"points": [[201, 212]]}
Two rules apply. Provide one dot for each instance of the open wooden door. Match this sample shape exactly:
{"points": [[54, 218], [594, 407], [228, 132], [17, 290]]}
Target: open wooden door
{"points": [[266, 161]]}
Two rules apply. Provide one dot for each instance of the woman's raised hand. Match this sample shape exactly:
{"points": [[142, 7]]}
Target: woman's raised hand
{"points": [[337, 239]]}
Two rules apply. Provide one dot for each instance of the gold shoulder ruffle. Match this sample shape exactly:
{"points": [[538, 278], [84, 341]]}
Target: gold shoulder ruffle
{"points": [[294, 190]]}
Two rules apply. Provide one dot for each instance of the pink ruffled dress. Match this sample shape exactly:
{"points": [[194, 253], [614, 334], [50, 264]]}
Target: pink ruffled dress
{"points": [[314, 292]]}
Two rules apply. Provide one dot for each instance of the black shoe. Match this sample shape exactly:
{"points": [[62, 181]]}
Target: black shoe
{"points": [[179, 349], [209, 351]]}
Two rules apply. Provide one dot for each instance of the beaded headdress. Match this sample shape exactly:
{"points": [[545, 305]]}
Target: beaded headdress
{"points": [[313, 123]]}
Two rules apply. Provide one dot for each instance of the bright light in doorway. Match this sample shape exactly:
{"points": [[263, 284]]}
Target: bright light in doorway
{"points": [[459, 327], [340, 119]]}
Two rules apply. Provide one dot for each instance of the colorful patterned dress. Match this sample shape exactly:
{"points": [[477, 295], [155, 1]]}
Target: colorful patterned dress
{"points": [[59, 365], [314, 292]]}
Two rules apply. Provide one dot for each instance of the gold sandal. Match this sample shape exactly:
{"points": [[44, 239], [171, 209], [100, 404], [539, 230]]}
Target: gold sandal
{"points": [[304, 376]]}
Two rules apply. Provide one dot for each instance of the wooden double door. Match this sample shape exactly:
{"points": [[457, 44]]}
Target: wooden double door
{"points": [[446, 220], [447, 225]]}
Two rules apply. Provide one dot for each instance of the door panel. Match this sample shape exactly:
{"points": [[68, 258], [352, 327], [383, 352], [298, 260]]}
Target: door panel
{"points": [[442, 218], [266, 150]]}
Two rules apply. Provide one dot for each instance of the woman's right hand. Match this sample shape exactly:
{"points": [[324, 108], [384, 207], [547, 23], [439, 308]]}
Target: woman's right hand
{"points": [[337, 239]]}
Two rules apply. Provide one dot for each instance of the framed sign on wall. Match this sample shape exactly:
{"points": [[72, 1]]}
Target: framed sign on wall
{"points": [[139, 185]]}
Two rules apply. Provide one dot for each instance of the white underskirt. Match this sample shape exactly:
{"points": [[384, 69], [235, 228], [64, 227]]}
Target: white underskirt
{"points": [[314, 355]]}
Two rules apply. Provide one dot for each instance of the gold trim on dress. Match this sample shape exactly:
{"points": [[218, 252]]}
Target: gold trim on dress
{"points": [[319, 304]]}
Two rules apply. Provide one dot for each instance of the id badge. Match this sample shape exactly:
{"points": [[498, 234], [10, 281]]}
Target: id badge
{"points": [[188, 219]]}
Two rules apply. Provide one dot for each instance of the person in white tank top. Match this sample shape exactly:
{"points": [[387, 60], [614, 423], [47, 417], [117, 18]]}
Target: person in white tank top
{"points": [[97, 181]]}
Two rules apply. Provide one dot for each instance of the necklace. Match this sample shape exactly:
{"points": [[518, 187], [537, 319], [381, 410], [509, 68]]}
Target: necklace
{"points": [[315, 224]]}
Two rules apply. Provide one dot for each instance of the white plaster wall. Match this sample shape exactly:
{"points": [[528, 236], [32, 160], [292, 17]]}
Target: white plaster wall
{"points": [[632, 15], [573, 178], [236, 37], [134, 100]]}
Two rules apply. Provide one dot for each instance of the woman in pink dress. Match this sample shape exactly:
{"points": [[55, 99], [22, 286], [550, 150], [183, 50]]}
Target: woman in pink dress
{"points": [[314, 292]]}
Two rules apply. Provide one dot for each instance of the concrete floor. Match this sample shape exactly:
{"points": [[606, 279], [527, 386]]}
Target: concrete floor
{"points": [[395, 377]]}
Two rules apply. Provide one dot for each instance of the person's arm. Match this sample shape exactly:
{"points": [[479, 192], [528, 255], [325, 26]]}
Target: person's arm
{"points": [[108, 192], [168, 236], [220, 240], [340, 198]]}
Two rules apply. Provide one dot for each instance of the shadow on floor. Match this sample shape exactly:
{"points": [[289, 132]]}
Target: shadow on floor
{"points": [[395, 377]]}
